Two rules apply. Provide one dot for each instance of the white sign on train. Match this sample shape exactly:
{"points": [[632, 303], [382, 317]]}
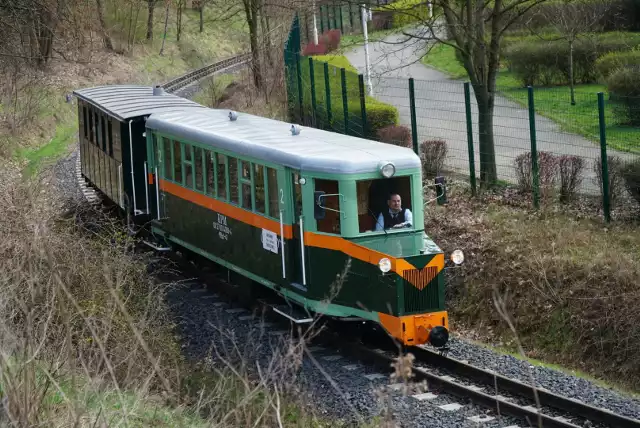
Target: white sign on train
{"points": [[269, 241], [221, 226]]}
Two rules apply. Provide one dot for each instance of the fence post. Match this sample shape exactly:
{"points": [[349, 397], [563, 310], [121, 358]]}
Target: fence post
{"points": [[328, 94], [313, 91], [606, 202], [472, 156], [363, 105], [534, 150], [299, 77], [414, 124], [345, 100]]}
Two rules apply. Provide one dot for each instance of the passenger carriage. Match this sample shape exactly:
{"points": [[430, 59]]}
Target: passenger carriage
{"points": [[290, 209]]}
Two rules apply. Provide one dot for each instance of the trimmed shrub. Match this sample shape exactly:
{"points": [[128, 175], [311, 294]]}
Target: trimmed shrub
{"points": [[380, 115], [547, 168], [331, 39], [624, 92], [312, 49], [570, 169], [381, 20], [631, 174], [398, 135], [614, 61], [405, 12], [546, 63], [615, 166], [433, 153]]}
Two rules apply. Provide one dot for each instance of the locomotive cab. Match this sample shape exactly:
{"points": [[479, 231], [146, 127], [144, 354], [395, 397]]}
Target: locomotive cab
{"points": [[404, 273]]}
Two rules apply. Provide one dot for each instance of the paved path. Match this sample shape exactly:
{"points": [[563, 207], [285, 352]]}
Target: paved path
{"points": [[440, 111]]}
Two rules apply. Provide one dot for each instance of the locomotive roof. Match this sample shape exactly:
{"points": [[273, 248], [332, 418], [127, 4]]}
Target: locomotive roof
{"points": [[311, 150], [129, 101]]}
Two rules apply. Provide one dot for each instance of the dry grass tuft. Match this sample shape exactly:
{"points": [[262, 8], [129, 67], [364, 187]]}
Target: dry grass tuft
{"points": [[571, 284]]}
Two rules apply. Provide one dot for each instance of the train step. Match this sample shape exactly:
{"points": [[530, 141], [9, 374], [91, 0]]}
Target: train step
{"points": [[297, 315]]}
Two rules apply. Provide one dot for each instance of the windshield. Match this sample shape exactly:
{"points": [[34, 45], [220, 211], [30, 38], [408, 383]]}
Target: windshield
{"points": [[385, 202]]}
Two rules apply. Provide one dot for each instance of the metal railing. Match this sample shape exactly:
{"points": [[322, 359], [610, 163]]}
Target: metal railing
{"points": [[228, 64]]}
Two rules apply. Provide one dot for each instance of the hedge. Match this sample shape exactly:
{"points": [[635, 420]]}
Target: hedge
{"points": [[379, 114], [538, 62], [405, 12], [624, 93], [613, 61]]}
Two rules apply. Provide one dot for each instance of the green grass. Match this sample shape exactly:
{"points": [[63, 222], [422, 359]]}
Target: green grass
{"points": [[551, 102]]}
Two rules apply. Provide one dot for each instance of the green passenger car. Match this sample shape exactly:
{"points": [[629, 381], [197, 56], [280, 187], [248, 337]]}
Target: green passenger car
{"points": [[292, 208]]}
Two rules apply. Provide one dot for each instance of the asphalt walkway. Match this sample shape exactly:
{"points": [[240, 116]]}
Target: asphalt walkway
{"points": [[440, 111]]}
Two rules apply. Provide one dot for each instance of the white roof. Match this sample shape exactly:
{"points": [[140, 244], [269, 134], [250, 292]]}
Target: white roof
{"points": [[129, 101], [271, 140]]}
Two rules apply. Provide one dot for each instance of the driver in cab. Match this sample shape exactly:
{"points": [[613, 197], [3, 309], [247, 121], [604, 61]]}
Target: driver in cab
{"points": [[395, 217]]}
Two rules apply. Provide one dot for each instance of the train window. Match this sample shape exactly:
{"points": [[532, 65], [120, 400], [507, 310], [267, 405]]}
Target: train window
{"points": [[168, 159], [110, 135], [210, 162], [90, 125], [331, 202], [177, 162], [232, 185], [246, 172], [86, 122], [188, 165], [198, 162], [272, 186], [373, 197], [103, 133], [96, 127], [222, 176], [246, 195], [258, 183]]}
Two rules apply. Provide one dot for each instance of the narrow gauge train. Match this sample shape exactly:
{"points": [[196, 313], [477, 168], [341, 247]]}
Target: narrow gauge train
{"points": [[285, 207]]}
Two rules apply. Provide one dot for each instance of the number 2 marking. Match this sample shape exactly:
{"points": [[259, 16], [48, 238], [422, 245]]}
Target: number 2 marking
{"points": [[282, 196]]}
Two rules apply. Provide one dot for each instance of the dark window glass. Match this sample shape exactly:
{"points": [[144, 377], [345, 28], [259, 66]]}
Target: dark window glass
{"points": [[222, 176], [177, 162], [233, 180], [272, 182], [168, 161], [198, 165], [258, 182]]}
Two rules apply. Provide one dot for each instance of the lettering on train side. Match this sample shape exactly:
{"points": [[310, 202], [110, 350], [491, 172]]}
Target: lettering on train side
{"points": [[221, 226]]}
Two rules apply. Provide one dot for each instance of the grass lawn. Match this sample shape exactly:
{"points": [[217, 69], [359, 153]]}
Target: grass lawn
{"points": [[552, 102]]}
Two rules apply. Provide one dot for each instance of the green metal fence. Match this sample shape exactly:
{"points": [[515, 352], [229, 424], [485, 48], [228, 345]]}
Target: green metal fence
{"points": [[538, 135]]}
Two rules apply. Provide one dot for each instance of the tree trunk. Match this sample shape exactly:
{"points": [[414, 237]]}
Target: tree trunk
{"points": [[571, 82], [166, 22], [105, 35], [179, 19], [201, 17], [251, 12], [151, 4], [486, 104]]}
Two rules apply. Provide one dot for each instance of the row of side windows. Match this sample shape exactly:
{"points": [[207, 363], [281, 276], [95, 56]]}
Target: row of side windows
{"points": [[98, 130], [249, 185]]}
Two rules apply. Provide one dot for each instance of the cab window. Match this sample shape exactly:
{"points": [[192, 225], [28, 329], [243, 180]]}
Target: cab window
{"points": [[373, 196]]}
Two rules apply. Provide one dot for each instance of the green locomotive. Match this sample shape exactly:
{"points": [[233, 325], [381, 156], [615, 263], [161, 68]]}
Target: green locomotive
{"points": [[289, 208]]}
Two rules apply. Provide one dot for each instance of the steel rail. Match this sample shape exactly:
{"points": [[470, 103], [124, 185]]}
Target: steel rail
{"points": [[227, 64], [574, 408], [545, 398]]}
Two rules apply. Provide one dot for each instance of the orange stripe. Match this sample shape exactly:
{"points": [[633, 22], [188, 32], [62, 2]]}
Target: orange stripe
{"points": [[328, 242], [150, 178], [226, 209]]}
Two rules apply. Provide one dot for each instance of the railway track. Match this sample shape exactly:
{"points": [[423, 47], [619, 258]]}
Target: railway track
{"points": [[226, 65], [489, 389]]}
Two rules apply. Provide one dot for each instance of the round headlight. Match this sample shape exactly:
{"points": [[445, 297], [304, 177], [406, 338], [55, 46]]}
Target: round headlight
{"points": [[457, 257], [385, 265], [387, 170]]}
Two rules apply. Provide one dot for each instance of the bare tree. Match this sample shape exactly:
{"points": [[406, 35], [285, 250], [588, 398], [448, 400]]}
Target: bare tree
{"points": [[103, 26], [151, 4], [573, 19], [475, 28], [180, 6]]}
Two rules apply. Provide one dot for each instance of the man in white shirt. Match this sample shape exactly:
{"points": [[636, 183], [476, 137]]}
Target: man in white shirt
{"points": [[395, 217]]}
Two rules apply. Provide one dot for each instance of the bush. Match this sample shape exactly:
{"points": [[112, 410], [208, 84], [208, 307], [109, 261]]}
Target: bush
{"points": [[609, 63], [546, 63], [433, 153], [398, 135], [381, 20], [331, 39], [615, 165], [379, 115], [631, 174], [312, 49], [570, 169], [624, 91], [547, 167], [405, 12]]}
